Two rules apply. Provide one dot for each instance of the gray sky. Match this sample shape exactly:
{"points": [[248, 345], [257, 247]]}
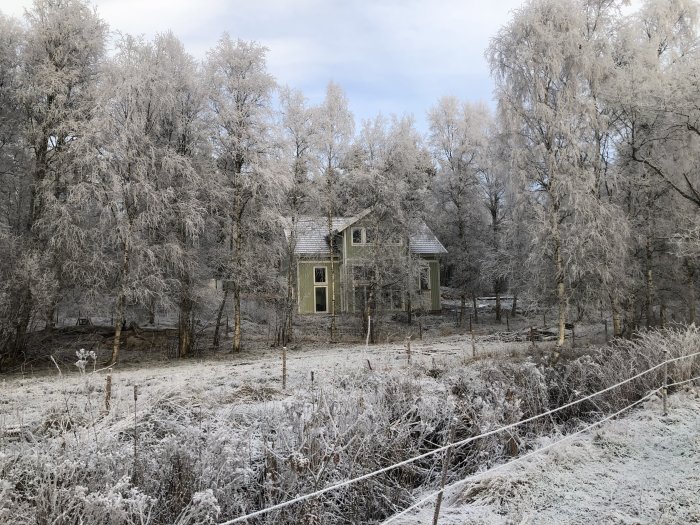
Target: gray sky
{"points": [[391, 56]]}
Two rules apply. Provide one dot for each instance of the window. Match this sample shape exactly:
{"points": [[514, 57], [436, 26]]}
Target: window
{"points": [[362, 236], [319, 275], [321, 299], [424, 279], [357, 235]]}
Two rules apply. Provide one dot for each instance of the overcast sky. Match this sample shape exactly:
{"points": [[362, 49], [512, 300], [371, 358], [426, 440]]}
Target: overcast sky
{"points": [[391, 56]]}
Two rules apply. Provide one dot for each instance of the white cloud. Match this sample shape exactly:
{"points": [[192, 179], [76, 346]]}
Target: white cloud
{"points": [[403, 54]]}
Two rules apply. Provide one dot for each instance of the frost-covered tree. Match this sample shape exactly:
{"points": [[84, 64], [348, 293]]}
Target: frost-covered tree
{"points": [[240, 91], [131, 182], [56, 79], [297, 142], [334, 126], [545, 64], [391, 176], [653, 93], [459, 143]]}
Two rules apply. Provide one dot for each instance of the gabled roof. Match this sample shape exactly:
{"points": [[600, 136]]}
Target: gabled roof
{"points": [[312, 235], [423, 241]]}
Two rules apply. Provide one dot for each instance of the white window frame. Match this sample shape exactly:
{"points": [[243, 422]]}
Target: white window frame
{"points": [[325, 275], [420, 273], [325, 287], [352, 236]]}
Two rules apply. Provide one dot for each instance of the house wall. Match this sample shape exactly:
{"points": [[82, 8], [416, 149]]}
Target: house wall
{"points": [[434, 285], [305, 285], [356, 252], [344, 294]]}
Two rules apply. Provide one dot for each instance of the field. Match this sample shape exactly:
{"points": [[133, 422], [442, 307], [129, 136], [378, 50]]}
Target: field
{"points": [[204, 441]]}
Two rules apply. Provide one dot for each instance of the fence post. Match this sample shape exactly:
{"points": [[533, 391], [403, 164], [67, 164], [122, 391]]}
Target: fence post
{"points": [[369, 330], [284, 368], [473, 344], [605, 322], [443, 480], [108, 391], [664, 390], [408, 349]]}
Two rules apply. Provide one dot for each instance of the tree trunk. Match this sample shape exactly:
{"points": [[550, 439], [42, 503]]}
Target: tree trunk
{"points": [[331, 250], [219, 316], [236, 319], [561, 290], [462, 308], [152, 312], [616, 318], [476, 312], [185, 325], [498, 304], [514, 306], [238, 263], [24, 315], [630, 322], [649, 286], [690, 271], [121, 301], [289, 306]]}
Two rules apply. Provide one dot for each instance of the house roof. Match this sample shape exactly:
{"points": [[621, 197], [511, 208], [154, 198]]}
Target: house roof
{"points": [[312, 233]]}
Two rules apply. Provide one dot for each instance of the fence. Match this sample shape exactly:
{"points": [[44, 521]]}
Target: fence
{"points": [[663, 388]]}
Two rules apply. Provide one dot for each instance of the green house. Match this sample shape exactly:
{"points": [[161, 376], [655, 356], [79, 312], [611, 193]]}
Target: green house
{"points": [[401, 264]]}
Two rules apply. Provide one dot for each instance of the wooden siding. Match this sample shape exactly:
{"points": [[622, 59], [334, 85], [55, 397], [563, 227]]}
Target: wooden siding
{"points": [[306, 285]]}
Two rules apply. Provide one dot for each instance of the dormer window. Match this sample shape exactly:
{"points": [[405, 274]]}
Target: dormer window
{"points": [[362, 236], [358, 235]]}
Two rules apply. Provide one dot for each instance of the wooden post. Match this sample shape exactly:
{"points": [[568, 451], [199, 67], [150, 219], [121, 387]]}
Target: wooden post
{"points": [[408, 349], [532, 336], [664, 390], [134, 476], [605, 323], [420, 330], [443, 480], [473, 344], [573, 335], [284, 368], [369, 330], [108, 391], [470, 322], [507, 321]]}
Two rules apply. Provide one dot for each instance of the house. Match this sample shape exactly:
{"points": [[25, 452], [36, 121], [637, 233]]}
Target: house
{"points": [[367, 252]]}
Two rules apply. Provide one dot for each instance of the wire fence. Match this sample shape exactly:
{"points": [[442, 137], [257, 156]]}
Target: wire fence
{"points": [[462, 442]]}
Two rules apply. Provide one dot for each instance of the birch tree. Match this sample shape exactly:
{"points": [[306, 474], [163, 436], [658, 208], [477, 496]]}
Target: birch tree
{"points": [[59, 64], [297, 139], [458, 139], [240, 98], [334, 126], [542, 63], [131, 161]]}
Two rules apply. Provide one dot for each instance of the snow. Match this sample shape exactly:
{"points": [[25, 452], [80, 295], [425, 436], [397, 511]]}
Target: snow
{"points": [[638, 470], [228, 417]]}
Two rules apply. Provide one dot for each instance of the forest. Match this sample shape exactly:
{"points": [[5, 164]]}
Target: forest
{"points": [[133, 175]]}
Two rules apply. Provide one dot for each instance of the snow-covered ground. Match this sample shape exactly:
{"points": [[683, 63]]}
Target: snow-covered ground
{"points": [[216, 413], [638, 470], [26, 399]]}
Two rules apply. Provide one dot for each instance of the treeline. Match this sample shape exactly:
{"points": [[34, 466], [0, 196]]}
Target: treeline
{"points": [[138, 176]]}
